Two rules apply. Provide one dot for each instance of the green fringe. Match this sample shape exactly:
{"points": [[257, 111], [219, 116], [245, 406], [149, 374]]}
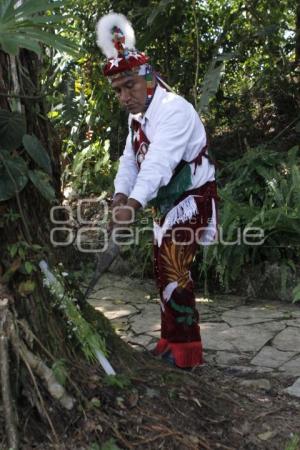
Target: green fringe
{"points": [[167, 195]]}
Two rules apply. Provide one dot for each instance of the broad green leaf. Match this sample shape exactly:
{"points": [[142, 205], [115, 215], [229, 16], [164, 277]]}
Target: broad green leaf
{"points": [[53, 40], [9, 45], [210, 85], [31, 37], [6, 10], [13, 175], [19, 29], [41, 181], [296, 294], [12, 129], [29, 267], [34, 6], [293, 153], [48, 20], [37, 152]]}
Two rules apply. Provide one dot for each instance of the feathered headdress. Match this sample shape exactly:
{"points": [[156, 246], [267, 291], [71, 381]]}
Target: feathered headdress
{"points": [[115, 37]]}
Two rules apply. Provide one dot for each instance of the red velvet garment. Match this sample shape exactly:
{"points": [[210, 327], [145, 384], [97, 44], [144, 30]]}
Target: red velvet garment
{"points": [[180, 331]]}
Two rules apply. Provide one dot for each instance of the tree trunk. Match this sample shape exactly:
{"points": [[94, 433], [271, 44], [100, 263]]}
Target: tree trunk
{"points": [[34, 333], [297, 46]]}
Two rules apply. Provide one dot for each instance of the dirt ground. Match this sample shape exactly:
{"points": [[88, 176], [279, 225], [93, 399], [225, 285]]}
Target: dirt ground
{"points": [[158, 407], [155, 406]]}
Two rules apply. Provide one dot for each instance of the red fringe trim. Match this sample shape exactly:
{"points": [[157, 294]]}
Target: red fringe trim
{"points": [[161, 346], [186, 354]]}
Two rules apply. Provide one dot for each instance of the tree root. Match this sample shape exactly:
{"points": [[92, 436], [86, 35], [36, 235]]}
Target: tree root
{"points": [[41, 406], [55, 389], [9, 412], [30, 337], [34, 364]]}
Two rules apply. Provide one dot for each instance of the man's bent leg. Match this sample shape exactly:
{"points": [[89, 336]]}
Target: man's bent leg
{"points": [[180, 332]]}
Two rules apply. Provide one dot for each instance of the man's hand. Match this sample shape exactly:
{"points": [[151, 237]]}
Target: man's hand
{"points": [[119, 199], [125, 214]]}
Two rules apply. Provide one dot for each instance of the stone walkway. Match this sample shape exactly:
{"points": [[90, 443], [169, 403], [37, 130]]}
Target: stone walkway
{"points": [[262, 338]]}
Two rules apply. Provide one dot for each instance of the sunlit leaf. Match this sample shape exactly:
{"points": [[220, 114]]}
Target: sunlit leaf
{"points": [[20, 29], [34, 6], [26, 287], [210, 86]]}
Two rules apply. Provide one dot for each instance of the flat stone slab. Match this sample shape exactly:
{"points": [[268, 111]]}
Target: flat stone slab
{"points": [[120, 325], [135, 296], [227, 358], [234, 335], [271, 357], [213, 338], [114, 311], [248, 339], [293, 323], [288, 339], [147, 321], [139, 341], [245, 315], [219, 336], [294, 389], [292, 366], [154, 333], [109, 280]]}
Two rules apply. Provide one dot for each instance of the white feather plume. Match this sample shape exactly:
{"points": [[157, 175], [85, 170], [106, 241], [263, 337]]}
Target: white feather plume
{"points": [[104, 33]]}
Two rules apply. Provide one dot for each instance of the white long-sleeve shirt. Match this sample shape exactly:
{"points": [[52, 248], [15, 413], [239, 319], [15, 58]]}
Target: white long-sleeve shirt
{"points": [[175, 132]]}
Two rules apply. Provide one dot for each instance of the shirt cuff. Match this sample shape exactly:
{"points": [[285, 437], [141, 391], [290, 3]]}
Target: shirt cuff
{"points": [[137, 195], [121, 189]]}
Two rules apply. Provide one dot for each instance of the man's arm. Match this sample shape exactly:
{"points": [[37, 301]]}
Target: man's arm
{"points": [[166, 150], [127, 171]]}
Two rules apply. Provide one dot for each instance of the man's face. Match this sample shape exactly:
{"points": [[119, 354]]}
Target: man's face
{"points": [[131, 92]]}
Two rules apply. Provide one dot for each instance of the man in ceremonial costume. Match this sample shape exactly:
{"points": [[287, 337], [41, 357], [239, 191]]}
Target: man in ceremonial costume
{"points": [[164, 164]]}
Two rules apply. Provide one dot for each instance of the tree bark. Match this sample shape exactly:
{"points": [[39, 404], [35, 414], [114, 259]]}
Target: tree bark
{"points": [[46, 340], [297, 46], [8, 406]]}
